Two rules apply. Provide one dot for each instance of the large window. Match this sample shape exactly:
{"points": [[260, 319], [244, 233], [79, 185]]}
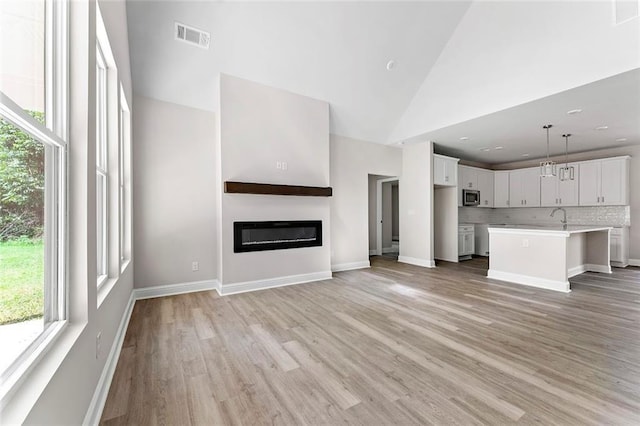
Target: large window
{"points": [[102, 177], [33, 144], [124, 157], [109, 131]]}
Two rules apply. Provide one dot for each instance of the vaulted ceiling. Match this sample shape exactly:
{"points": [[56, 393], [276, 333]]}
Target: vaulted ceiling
{"points": [[453, 61]]}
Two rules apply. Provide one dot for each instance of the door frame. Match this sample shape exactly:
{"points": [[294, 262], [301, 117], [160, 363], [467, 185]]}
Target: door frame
{"points": [[379, 183]]}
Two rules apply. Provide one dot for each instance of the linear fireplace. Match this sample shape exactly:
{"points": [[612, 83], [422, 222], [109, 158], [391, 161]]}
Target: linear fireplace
{"points": [[276, 235]]}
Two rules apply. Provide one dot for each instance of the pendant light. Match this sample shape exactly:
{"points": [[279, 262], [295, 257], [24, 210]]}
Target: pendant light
{"points": [[566, 172], [547, 168]]}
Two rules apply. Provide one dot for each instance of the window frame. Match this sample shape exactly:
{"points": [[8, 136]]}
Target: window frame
{"points": [[54, 136], [102, 166]]}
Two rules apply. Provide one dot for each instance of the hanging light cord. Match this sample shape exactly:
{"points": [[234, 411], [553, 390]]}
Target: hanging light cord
{"points": [[548, 126], [566, 149]]}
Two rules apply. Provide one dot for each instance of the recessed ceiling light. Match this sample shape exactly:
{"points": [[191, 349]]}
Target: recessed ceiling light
{"points": [[621, 140], [390, 65], [574, 111], [602, 127], [499, 147], [485, 149], [525, 155], [464, 138]]}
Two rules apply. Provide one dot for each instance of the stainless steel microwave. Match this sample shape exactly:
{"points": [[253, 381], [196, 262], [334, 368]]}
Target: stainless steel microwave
{"points": [[470, 197]]}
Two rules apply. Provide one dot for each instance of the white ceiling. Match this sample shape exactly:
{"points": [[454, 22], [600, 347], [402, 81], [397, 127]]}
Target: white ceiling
{"points": [[450, 67], [613, 102], [334, 51]]}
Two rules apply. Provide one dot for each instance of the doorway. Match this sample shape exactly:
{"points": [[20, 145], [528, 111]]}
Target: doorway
{"points": [[384, 234]]}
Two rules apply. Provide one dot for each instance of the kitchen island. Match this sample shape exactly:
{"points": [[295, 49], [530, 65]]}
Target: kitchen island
{"points": [[547, 256]]}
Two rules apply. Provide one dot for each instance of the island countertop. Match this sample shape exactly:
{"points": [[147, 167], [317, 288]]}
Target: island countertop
{"points": [[547, 256], [546, 229]]}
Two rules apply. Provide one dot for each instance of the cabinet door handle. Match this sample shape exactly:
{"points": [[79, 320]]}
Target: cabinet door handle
{"points": [[560, 200], [556, 201], [508, 202], [603, 198]]}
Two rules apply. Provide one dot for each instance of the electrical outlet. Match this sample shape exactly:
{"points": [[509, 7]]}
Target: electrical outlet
{"points": [[279, 165], [284, 165], [98, 344], [525, 243], [195, 266]]}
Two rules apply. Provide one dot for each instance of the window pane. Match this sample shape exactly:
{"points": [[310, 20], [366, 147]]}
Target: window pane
{"points": [[101, 220], [22, 246], [101, 110], [22, 52]]}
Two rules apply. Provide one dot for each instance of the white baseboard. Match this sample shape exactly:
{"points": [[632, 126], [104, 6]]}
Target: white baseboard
{"points": [[418, 262], [350, 266], [373, 252], [634, 262], [94, 413], [389, 249], [577, 270], [605, 269], [243, 287], [172, 289], [562, 286]]}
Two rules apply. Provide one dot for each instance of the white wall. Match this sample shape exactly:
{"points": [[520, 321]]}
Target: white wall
{"points": [[416, 205], [445, 223], [387, 215], [259, 126], [395, 211], [352, 161], [507, 53], [59, 389], [174, 201]]}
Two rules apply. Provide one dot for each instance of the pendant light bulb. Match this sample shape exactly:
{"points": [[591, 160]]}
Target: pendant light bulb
{"points": [[547, 168], [566, 172]]}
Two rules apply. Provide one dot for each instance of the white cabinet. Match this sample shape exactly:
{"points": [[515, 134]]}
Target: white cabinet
{"points": [[481, 239], [524, 187], [604, 182], [466, 242], [445, 170], [501, 189], [485, 186], [478, 180], [555, 192], [619, 247], [469, 177]]}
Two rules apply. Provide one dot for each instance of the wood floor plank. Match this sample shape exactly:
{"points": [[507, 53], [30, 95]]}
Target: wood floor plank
{"points": [[392, 344]]}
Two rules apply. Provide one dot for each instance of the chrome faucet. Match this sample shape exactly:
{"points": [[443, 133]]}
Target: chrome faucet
{"points": [[564, 221]]}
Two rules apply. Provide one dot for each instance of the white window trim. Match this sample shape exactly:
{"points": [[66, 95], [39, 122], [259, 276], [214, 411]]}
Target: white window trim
{"points": [[102, 120], [124, 189], [54, 136]]}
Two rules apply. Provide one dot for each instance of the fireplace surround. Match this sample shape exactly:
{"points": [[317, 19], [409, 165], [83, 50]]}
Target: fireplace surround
{"points": [[276, 235]]}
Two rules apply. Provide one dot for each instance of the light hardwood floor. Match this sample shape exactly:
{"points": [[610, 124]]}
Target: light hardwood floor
{"points": [[393, 344]]}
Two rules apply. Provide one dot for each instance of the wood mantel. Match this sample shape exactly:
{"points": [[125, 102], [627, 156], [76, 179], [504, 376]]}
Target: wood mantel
{"points": [[231, 187]]}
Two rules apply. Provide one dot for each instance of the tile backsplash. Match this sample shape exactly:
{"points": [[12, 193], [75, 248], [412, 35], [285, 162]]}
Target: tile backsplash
{"points": [[602, 215]]}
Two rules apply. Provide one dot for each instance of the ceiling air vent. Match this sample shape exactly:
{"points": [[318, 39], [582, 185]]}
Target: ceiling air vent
{"points": [[192, 35]]}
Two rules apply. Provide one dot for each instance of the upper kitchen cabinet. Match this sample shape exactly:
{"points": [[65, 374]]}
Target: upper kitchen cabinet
{"points": [[555, 192], [501, 189], [604, 182], [485, 186], [524, 187], [468, 177], [473, 178], [445, 170]]}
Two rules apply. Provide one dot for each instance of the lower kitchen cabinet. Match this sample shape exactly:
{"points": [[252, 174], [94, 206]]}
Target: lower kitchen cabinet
{"points": [[619, 247], [466, 243]]}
